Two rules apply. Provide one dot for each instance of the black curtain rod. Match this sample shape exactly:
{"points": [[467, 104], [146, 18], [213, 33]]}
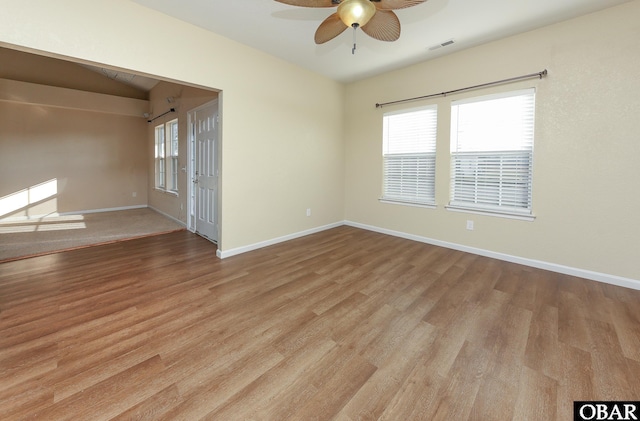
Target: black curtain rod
{"points": [[172, 110], [468, 88]]}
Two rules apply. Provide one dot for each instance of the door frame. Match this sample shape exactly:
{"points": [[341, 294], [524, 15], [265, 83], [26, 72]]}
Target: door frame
{"points": [[191, 167]]}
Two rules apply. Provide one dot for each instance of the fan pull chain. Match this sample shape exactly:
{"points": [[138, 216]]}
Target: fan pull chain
{"points": [[355, 26]]}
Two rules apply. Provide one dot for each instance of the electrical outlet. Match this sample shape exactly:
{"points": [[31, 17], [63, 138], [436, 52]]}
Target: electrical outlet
{"points": [[134, 194], [470, 225], [308, 211]]}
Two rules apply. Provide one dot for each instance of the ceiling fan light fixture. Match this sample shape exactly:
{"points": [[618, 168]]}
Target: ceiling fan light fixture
{"points": [[356, 12]]}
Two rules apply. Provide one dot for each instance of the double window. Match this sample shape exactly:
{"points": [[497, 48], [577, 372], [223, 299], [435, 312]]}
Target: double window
{"points": [[166, 156], [409, 156], [491, 150]]}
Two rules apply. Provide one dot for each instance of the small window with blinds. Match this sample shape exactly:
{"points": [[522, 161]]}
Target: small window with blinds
{"points": [[409, 156], [166, 156], [172, 143], [160, 163], [492, 153]]}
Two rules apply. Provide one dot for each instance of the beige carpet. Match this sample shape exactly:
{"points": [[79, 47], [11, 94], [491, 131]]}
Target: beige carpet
{"points": [[34, 237]]}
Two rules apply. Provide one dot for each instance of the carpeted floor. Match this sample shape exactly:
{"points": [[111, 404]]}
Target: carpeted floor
{"points": [[35, 237]]}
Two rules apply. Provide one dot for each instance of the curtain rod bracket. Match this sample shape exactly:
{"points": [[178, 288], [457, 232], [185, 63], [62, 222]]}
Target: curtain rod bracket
{"points": [[468, 88]]}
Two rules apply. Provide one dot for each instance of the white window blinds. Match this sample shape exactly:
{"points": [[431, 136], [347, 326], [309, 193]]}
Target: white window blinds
{"points": [[160, 157], [409, 156], [173, 153], [492, 153], [166, 156]]}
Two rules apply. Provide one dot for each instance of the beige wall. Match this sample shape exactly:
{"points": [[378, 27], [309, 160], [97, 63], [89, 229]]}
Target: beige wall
{"points": [[586, 172], [281, 139], [283, 128], [76, 131], [185, 99], [87, 160]]}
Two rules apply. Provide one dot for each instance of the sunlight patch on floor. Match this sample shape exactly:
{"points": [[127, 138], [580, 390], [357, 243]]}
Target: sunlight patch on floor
{"points": [[48, 223]]}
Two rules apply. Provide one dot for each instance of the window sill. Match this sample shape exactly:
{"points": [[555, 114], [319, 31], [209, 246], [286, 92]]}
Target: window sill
{"points": [[508, 215], [172, 193], [414, 204]]}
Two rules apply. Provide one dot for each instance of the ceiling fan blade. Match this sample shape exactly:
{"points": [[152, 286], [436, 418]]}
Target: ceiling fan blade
{"points": [[329, 29], [395, 4], [310, 3], [383, 26]]}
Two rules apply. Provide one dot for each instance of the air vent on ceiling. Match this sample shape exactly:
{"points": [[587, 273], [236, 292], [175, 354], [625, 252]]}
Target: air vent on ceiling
{"points": [[442, 44]]}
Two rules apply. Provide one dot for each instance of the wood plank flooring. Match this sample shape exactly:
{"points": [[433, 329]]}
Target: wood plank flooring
{"points": [[345, 324]]}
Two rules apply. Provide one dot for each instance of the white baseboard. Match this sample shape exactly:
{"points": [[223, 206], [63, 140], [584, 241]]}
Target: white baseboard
{"points": [[79, 212], [168, 216], [121, 208], [553, 267], [239, 250]]}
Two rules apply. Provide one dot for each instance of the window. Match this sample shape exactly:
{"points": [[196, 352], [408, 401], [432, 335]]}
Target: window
{"points": [[492, 153], [160, 158], [172, 140], [409, 156], [166, 145]]}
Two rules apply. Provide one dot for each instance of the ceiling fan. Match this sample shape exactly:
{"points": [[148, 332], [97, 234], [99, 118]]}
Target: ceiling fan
{"points": [[375, 17]]}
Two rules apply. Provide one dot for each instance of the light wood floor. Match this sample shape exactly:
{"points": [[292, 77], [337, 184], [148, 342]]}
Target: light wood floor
{"points": [[345, 324]]}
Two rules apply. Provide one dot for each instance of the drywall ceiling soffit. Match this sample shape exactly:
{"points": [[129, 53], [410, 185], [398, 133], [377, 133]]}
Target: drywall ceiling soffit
{"points": [[287, 31]]}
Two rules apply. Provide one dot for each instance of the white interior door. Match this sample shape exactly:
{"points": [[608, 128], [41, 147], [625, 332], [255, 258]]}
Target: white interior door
{"points": [[204, 174]]}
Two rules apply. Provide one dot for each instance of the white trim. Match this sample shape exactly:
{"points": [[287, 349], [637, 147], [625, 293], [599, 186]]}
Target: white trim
{"points": [[223, 254], [80, 212], [84, 212], [171, 192], [121, 208], [28, 217], [553, 267], [191, 222], [567, 270], [168, 216], [476, 211], [414, 204]]}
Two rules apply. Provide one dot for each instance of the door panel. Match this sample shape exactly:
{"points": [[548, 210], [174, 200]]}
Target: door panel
{"points": [[205, 179]]}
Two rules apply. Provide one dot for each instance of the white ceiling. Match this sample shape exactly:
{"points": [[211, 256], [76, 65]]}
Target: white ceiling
{"points": [[287, 31]]}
